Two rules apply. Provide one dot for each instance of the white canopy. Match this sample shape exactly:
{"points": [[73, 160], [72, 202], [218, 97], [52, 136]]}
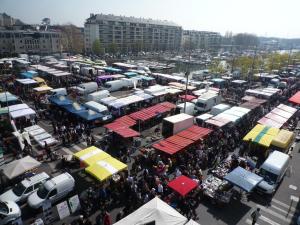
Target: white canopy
{"points": [[192, 222], [22, 112], [96, 106], [20, 166], [155, 210]]}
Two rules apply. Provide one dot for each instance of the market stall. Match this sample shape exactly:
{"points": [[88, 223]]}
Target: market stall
{"points": [[103, 169], [283, 139], [91, 155], [243, 179], [295, 99], [20, 166], [183, 185]]}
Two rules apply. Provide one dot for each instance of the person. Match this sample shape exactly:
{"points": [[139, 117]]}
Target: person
{"points": [[255, 215], [107, 218]]}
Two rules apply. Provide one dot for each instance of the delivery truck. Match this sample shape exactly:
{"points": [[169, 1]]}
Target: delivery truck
{"points": [[206, 101], [174, 124]]}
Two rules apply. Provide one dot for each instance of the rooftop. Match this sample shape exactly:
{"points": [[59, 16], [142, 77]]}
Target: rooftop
{"points": [[131, 19]]}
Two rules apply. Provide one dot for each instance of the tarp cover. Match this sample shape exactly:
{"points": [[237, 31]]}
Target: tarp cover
{"points": [[262, 135], [156, 211], [91, 155], [283, 139], [243, 179]]}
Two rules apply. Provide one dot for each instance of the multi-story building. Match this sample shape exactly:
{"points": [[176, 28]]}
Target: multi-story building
{"points": [[24, 41], [201, 39], [131, 34]]}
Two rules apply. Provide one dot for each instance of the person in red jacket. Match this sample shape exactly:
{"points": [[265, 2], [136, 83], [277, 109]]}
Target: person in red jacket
{"points": [[107, 218]]}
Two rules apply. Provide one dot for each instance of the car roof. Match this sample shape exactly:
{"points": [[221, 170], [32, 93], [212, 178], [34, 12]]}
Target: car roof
{"points": [[35, 179], [57, 180]]}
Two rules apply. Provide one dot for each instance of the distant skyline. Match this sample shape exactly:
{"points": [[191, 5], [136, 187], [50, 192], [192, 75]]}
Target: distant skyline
{"points": [[269, 18]]}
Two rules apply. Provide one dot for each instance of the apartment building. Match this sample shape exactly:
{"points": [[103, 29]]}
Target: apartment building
{"points": [[127, 34], [29, 41], [202, 39]]}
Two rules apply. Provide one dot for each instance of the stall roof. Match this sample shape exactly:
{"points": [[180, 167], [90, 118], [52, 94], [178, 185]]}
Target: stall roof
{"points": [[187, 97], [91, 155], [295, 98], [239, 81], [144, 95], [180, 141], [205, 116], [60, 100], [283, 139], [95, 106], [287, 108], [216, 122], [8, 97], [115, 125], [22, 112], [167, 147], [42, 88], [18, 107], [250, 105], [269, 122], [127, 132], [20, 166], [89, 115], [183, 185], [126, 120], [26, 81], [74, 108], [130, 74], [243, 179], [112, 70], [105, 168], [108, 100]]}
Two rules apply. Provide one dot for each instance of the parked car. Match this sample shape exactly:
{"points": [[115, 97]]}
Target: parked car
{"points": [[53, 190], [22, 190], [9, 212]]}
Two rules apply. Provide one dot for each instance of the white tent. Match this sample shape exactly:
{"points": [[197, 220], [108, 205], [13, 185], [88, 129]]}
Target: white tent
{"points": [[20, 166], [155, 210], [192, 222]]}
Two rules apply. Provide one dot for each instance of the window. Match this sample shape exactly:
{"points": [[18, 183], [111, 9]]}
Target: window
{"points": [[28, 190], [53, 193], [37, 185]]}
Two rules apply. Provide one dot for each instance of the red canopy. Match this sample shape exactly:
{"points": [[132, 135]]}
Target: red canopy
{"points": [[188, 97], [295, 98], [168, 105], [167, 147], [127, 132], [183, 185], [126, 120], [115, 126], [180, 141]]}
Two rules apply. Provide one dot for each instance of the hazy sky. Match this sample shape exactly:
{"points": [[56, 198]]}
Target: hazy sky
{"points": [[280, 18]]}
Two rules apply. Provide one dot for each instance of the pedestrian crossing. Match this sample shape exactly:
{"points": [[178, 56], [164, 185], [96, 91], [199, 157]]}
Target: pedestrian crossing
{"points": [[277, 213]]}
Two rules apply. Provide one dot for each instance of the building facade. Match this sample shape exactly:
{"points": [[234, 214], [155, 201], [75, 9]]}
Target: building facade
{"points": [[30, 42], [201, 39], [128, 34]]}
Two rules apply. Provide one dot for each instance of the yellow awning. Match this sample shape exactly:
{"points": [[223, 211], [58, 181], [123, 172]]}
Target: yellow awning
{"points": [[104, 169], [262, 135], [91, 155], [283, 139], [39, 80]]}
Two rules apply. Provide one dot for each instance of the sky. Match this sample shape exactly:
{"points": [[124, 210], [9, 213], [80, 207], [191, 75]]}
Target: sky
{"points": [[270, 18]]}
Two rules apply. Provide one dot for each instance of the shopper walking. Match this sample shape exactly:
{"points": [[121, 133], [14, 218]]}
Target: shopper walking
{"points": [[255, 215]]}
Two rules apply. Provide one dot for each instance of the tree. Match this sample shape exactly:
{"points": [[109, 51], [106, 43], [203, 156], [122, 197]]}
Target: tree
{"points": [[72, 38], [245, 40], [97, 48], [113, 48], [46, 22]]}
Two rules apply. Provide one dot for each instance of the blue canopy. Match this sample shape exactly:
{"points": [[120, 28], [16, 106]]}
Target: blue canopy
{"points": [[89, 115], [243, 179], [112, 70], [60, 100], [8, 97], [130, 74], [29, 74], [72, 109], [218, 80]]}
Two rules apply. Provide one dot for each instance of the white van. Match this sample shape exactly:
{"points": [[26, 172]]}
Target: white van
{"points": [[98, 95], [87, 88], [22, 190], [9, 212], [53, 190], [115, 85], [189, 109], [273, 171], [206, 101]]}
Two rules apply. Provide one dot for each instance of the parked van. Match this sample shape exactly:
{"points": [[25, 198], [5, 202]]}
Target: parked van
{"points": [[206, 101], [53, 190], [87, 88], [189, 109], [273, 171], [22, 190], [9, 212], [115, 85]]}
